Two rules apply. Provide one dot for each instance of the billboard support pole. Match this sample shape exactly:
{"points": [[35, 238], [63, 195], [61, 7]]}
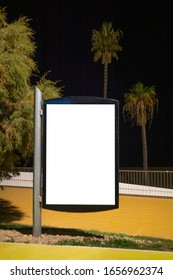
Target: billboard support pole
{"points": [[37, 162]]}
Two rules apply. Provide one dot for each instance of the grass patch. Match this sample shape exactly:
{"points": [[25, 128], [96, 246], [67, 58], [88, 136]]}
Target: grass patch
{"points": [[129, 243], [77, 237]]}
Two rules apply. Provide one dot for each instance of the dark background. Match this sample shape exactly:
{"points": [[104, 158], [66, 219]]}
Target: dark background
{"points": [[63, 31]]}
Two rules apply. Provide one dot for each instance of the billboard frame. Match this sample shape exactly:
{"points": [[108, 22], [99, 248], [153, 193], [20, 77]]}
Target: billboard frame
{"points": [[77, 100]]}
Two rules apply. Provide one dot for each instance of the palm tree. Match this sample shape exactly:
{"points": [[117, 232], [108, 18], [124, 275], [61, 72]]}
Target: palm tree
{"points": [[105, 45], [140, 104]]}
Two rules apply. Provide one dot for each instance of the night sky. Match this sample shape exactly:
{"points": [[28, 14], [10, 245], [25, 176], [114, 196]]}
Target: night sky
{"points": [[63, 31]]}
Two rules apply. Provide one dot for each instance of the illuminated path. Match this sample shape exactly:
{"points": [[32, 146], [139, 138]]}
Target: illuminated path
{"points": [[146, 216], [50, 252], [135, 216]]}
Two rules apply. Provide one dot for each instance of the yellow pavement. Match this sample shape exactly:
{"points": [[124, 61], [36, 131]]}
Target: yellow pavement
{"points": [[52, 252], [147, 216]]}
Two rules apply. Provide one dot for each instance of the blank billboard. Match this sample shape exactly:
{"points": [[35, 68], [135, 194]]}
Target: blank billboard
{"points": [[80, 158]]}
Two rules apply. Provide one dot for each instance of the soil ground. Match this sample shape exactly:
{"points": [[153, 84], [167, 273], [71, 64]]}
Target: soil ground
{"points": [[47, 239]]}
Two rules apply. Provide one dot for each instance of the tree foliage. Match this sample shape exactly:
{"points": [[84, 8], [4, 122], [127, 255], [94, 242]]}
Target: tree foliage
{"points": [[140, 104], [105, 46], [17, 67]]}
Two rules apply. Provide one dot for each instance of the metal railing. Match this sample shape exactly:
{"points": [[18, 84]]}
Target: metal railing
{"points": [[159, 179], [131, 182], [23, 179]]}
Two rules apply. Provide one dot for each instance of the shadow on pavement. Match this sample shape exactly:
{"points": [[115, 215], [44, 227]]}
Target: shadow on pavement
{"points": [[9, 212]]}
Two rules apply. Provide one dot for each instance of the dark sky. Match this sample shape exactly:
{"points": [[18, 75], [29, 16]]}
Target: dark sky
{"points": [[63, 31]]}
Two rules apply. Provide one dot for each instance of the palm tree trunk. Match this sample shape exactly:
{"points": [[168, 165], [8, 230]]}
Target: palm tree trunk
{"points": [[144, 145], [105, 89]]}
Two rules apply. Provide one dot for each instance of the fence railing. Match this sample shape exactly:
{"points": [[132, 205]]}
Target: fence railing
{"points": [[131, 182], [160, 179]]}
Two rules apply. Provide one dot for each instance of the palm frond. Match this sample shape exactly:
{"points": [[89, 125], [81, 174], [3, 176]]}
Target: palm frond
{"points": [[105, 43], [140, 104]]}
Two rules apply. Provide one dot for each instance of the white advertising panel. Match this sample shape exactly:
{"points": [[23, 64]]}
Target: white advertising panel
{"points": [[80, 155]]}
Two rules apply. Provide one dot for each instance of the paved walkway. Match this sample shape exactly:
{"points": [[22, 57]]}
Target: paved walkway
{"points": [[135, 216], [48, 252]]}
